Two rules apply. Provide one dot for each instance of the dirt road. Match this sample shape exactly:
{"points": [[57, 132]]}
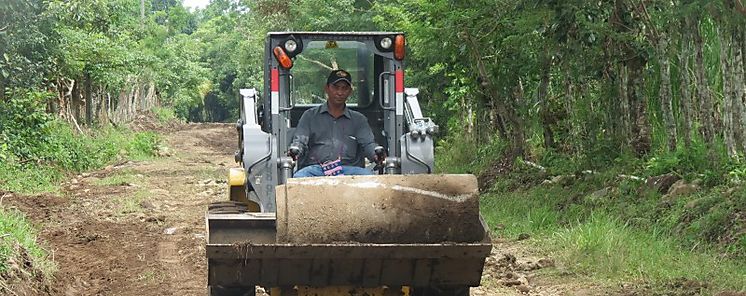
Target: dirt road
{"points": [[137, 228]]}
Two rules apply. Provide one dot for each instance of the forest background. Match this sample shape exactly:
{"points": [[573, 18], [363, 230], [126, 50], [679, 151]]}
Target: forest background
{"points": [[576, 115]]}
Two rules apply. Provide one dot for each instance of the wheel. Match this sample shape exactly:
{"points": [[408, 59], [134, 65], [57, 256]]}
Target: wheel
{"points": [[230, 291], [441, 291], [227, 207]]}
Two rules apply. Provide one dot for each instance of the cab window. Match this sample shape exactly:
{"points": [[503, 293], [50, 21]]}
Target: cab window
{"points": [[312, 66]]}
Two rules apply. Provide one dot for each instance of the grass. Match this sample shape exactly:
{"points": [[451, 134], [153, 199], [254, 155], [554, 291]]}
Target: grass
{"points": [[122, 177], [151, 276], [618, 230], [605, 247], [131, 204], [22, 256], [216, 174], [595, 241], [29, 180], [164, 114], [68, 152]]}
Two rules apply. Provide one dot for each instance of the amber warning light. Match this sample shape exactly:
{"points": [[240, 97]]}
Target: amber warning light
{"points": [[283, 58], [399, 49]]}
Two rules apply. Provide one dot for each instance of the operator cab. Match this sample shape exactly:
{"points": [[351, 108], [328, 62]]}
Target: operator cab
{"points": [[303, 60], [311, 68], [296, 65]]}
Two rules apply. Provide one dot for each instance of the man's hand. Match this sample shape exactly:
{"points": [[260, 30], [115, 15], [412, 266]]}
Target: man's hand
{"points": [[380, 154], [293, 152]]}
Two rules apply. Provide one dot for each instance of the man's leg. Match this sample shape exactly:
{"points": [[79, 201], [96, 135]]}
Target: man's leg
{"points": [[353, 170], [309, 171]]}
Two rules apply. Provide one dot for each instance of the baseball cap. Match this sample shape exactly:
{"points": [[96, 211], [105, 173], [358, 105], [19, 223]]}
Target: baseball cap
{"points": [[339, 75]]}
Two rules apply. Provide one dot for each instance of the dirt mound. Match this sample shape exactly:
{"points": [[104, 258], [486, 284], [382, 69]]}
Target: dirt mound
{"points": [[148, 121], [488, 177], [22, 276], [509, 271]]}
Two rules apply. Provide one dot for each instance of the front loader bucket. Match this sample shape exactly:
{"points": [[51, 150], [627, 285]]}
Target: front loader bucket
{"points": [[379, 209], [358, 231], [253, 258]]}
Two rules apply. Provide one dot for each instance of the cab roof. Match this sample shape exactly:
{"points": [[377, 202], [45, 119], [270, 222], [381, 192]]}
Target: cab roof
{"points": [[332, 34]]}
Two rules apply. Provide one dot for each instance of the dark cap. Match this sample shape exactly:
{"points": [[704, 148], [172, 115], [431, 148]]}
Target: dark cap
{"points": [[339, 75]]}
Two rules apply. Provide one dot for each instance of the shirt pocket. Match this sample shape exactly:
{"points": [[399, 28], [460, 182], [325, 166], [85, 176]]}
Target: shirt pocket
{"points": [[349, 149]]}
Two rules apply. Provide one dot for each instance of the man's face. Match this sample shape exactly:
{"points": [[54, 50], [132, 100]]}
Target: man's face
{"points": [[338, 92]]}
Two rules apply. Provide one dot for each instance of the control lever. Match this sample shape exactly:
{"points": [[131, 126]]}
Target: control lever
{"points": [[293, 152], [380, 157]]}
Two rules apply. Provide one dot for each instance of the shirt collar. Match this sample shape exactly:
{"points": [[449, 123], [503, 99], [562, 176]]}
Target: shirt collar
{"points": [[325, 108]]}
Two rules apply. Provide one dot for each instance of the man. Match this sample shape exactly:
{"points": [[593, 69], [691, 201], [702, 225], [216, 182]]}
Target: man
{"points": [[332, 138]]}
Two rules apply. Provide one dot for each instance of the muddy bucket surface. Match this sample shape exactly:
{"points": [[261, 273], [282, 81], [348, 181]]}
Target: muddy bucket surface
{"points": [[379, 209]]}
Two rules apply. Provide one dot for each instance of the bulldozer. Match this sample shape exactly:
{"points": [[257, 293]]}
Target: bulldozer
{"points": [[402, 231]]}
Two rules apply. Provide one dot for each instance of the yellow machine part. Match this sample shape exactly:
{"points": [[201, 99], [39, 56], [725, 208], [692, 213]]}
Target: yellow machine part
{"points": [[340, 291], [236, 177], [237, 192]]}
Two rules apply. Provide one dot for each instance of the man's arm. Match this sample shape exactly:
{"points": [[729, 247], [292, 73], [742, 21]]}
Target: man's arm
{"points": [[302, 133], [366, 139]]}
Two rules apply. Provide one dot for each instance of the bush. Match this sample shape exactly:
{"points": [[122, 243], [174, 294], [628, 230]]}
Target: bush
{"points": [[23, 124], [68, 152], [164, 115], [38, 150]]}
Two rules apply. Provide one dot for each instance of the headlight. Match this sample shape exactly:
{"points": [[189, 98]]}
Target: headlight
{"points": [[291, 45], [386, 43]]}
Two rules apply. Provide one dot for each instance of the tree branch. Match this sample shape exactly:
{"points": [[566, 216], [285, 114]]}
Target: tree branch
{"points": [[320, 64], [740, 6], [654, 36]]}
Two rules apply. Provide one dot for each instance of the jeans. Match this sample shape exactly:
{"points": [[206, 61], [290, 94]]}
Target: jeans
{"points": [[315, 171]]}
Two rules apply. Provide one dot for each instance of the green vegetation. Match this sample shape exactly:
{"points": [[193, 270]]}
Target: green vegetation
{"points": [[21, 255], [151, 276], [606, 248], [603, 95], [164, 114], [131, 204], [120, 177], [64, 152], [613, 228]]}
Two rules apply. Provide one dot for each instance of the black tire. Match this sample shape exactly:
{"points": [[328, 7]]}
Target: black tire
{"points": [[230, 291], [441, 291], [227, 207]]}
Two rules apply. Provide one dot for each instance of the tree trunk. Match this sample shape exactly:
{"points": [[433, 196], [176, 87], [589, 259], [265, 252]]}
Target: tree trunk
{"points": [[75, 100], [546, 111], [665, 93], [640, 137], [685, 93], [2, 89], [500, 123], [99, 112], [504, 107], [703, 89], [52, 102], [88, 100], [495, 119], [739, 102], [624, 117], [518, 132], [728, 93]]}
